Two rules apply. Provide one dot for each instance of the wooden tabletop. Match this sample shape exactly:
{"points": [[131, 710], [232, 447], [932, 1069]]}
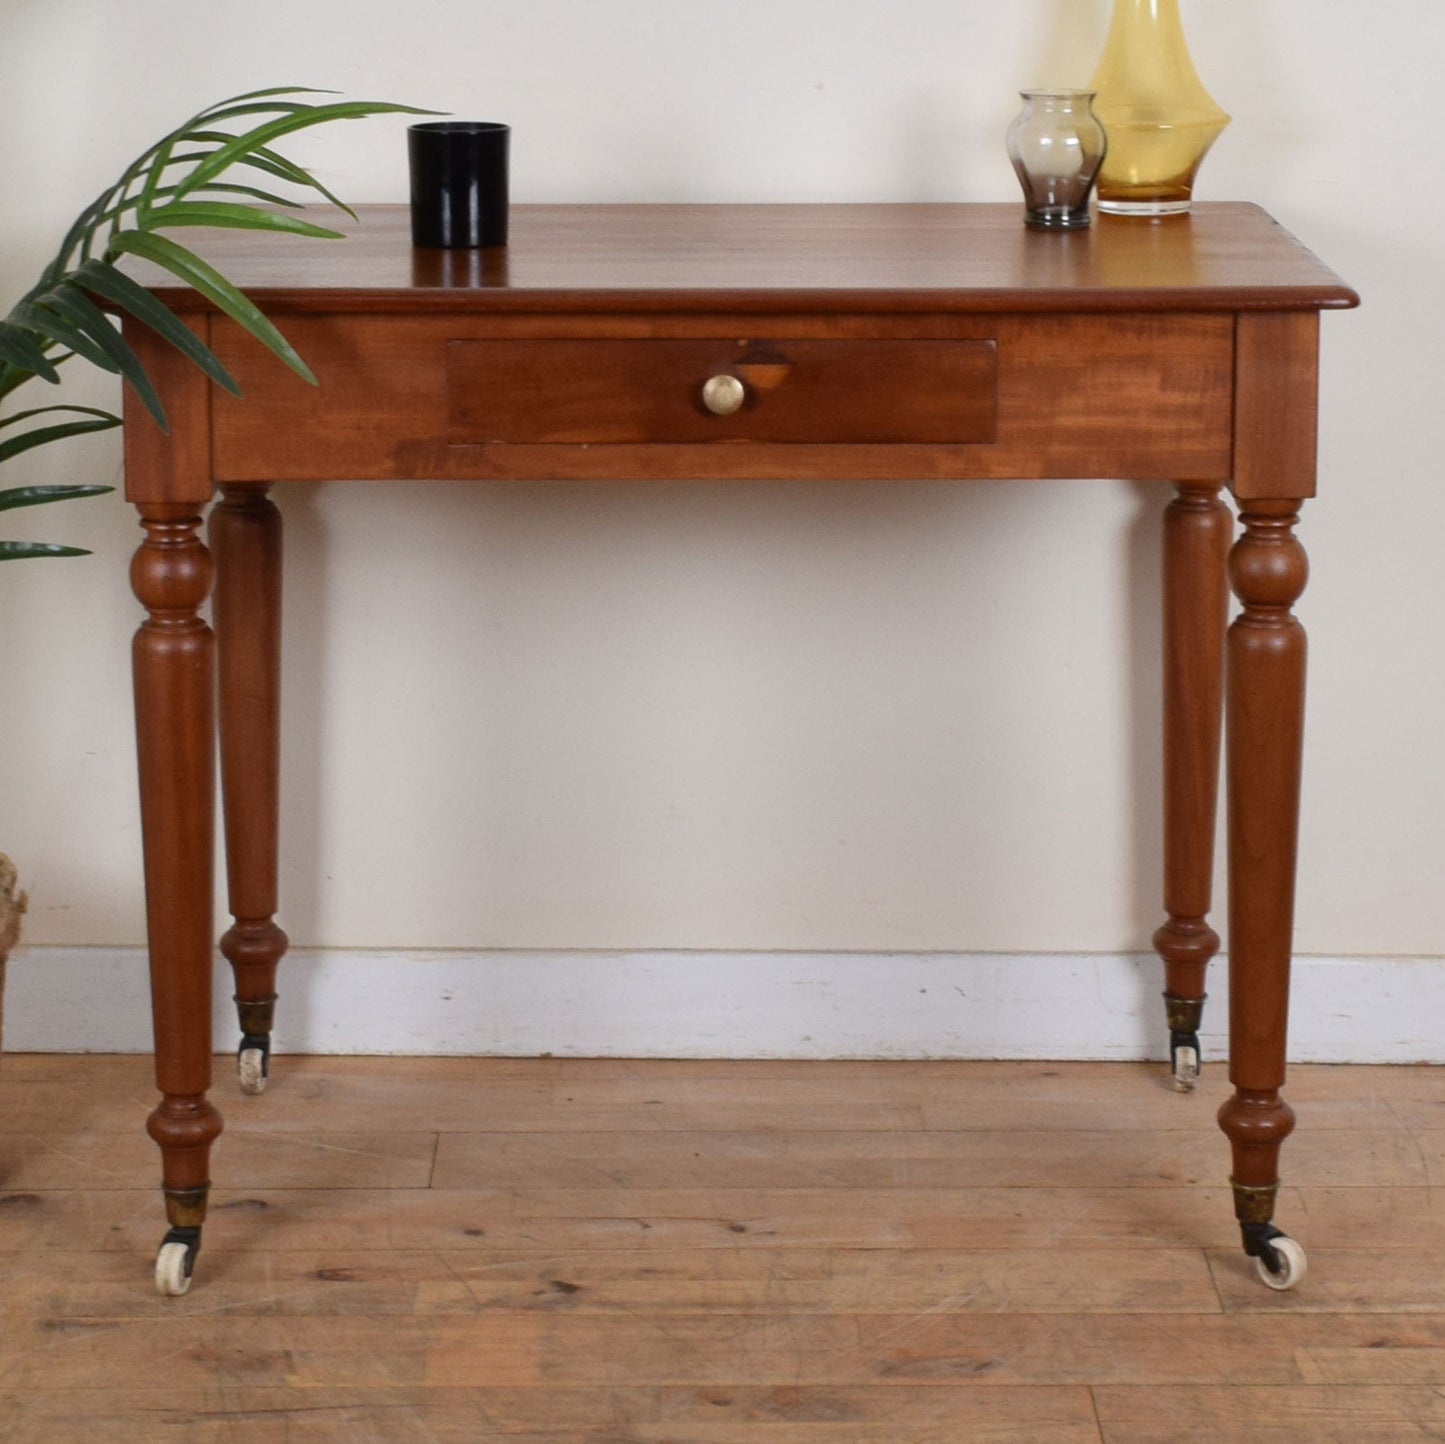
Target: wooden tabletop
{"points": [[1221, 257]]}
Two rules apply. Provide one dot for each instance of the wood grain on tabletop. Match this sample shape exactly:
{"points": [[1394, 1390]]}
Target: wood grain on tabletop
{"points": [[880, 257]]}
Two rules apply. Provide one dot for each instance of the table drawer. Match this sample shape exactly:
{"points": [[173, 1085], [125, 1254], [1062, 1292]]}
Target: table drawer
{"points": [[885, 397], [619, 391]]}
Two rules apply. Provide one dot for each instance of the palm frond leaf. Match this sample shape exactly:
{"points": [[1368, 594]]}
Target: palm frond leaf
{"points": [[92, 420], [112, 284], [177, 182], [298, 118], [210, 283], [233, 215], [273, 163], [14, 551], [19, 349], [180, 181], [53, 328], [68, 300], [18, 496]]}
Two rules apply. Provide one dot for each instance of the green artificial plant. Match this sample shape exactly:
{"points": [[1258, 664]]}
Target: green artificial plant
{"points": [[182, 180]]}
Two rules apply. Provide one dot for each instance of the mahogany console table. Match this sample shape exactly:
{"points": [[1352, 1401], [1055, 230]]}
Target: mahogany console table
{"points": [[816, 342]]}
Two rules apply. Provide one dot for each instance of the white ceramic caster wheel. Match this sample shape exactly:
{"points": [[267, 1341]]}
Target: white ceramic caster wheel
{"points": [[1292, 1265], [1186, 1069], [251, 1070], [172, 1280]]}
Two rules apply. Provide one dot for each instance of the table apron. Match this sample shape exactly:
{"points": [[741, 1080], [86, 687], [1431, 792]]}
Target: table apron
{"points": [[1133, 395]]}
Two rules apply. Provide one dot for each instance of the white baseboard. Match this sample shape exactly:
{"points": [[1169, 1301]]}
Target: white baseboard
{"points": [[732, 1005]]}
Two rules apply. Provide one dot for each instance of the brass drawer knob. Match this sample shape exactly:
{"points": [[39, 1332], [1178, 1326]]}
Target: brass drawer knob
{"points": [[722, 395]]}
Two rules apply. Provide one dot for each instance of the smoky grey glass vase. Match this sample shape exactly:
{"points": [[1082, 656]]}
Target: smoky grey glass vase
{"points": [[1056, 145]]}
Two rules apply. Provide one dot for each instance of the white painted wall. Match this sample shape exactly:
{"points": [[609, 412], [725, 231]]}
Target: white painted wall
{"points": [[763, 717]]}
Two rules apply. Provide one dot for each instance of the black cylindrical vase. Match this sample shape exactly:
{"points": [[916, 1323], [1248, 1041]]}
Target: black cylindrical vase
{"points": [[458, 183]]}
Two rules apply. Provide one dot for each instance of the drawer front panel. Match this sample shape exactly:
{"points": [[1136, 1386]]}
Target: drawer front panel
{"points": [[557, 398], [599, 392]]}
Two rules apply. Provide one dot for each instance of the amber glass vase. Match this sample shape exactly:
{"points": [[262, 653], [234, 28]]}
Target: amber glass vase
{"points": [[1159, 118]]}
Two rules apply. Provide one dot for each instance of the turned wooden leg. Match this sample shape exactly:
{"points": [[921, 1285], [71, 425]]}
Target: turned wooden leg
{"points": [[174, 670], [245, 534], [1266, 679], [1197, 527]]}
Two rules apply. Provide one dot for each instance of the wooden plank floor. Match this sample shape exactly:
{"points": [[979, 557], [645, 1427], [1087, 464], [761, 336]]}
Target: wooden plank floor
{"points": [[614, 1252]]}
